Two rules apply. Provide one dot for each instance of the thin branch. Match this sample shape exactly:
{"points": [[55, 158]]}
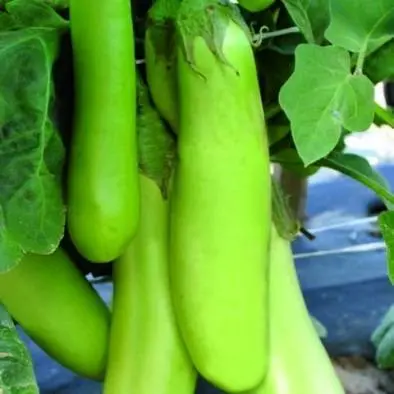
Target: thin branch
{"points": [[384, 115]]}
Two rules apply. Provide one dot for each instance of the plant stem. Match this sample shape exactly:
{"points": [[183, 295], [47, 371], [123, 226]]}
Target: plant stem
{"points": [[360, 177], [259, 37], [360, 61], [281, 32], [384, 115]]}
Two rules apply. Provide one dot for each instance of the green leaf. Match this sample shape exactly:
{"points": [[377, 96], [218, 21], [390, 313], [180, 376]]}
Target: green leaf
{"points": [[56, 4], [16, 369], [322, 97], [10, 250], [311, 16], [34, 13], [385, 350], [379, 65], [31, 153], [156, 146], [39, 228], [386, 323], [386, 225], [383, 340], [360, 27], [359, 169]]}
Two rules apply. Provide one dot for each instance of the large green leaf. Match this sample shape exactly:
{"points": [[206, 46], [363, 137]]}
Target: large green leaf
{"points": [[33, 13], [32, 214], [379, 65], [311, 16], [321, 97], [16, 369], [361, 26], [56, 4]]}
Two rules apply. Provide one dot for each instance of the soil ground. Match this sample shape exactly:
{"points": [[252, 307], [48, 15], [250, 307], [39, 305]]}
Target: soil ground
{"points": [[362, 377]]}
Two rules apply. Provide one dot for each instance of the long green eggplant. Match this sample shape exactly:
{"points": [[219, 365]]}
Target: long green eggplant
{"points": [[221, 200], [147, 354], [298, 362], [103, 206], [57, 307], [256, 5], [160, 59]]}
